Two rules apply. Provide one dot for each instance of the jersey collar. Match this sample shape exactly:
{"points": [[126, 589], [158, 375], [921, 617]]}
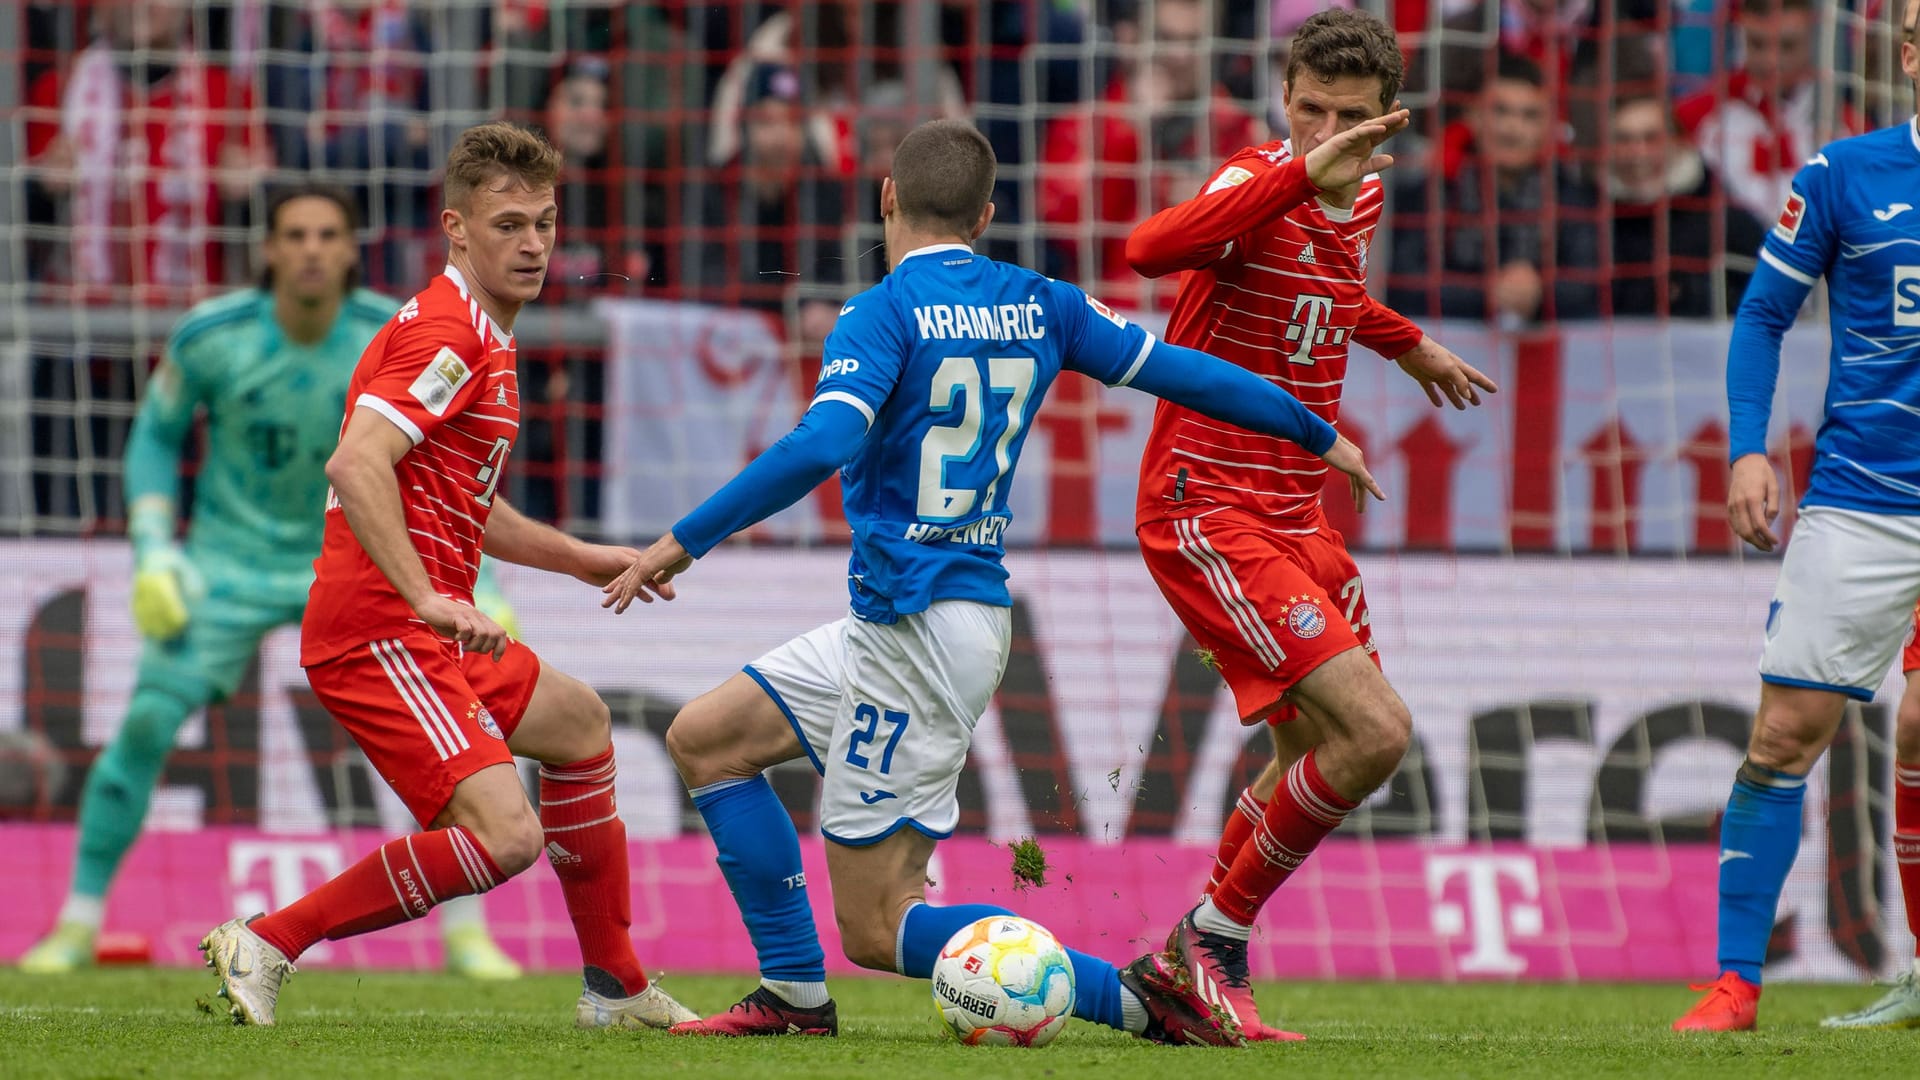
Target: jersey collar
{"points": [[932, 249], [460, 282]]}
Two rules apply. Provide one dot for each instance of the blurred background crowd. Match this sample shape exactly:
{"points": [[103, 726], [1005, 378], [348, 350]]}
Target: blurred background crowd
{"points": [[1570, 159]]}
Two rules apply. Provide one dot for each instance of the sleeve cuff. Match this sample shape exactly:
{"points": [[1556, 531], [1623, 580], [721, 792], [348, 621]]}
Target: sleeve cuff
{"points": [[391, 412], [1139, 359]]}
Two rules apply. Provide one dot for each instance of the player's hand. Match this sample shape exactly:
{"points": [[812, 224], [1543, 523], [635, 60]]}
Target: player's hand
{"points": [[1346, 457], [1753, 498], [463, 623], [166, 585], [494, 605], [1439, 371], [1348, 157], [652, 572], [599, 564]]}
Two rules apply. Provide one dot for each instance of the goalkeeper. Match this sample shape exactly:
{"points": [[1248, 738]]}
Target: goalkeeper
{"points": [[270, 367]]}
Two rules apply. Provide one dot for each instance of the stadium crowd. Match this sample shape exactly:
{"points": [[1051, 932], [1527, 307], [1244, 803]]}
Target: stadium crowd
{"points": [[1570, 160]]}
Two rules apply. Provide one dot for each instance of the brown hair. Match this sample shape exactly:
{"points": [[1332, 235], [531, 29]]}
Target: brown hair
{"points": [[943, 175], [1341, 42], [497, 150], [311, 189]]}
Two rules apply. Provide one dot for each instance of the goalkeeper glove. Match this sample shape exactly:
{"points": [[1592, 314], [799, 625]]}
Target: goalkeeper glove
{"points": [[493, 604], [166, 585]]}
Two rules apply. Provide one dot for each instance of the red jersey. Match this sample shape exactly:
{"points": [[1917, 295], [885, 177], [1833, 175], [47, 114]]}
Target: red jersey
{"points": [[1278, 285], [443, 372]]}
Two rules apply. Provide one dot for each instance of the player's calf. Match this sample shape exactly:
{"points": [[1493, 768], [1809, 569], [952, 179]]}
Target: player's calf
{"points": [[732, 732], [493, 806], [1367, 727]]}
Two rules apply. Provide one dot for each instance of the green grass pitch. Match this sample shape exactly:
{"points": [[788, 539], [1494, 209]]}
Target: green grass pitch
{"points": [[154, 1023]]}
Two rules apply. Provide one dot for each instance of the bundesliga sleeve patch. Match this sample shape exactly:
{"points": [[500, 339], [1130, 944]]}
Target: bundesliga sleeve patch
{"points": [[444, 377], [1231, 176], [1791, 216], [1107, 313]]}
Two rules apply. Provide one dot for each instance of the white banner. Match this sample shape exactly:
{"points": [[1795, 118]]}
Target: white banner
{"points": [[1603, 437]]}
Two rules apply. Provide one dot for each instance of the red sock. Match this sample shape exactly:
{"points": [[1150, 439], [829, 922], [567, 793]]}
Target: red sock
{"points": [[1906, 840], [400, 881], [1246, 814], [1304, 809], [587, 845]]}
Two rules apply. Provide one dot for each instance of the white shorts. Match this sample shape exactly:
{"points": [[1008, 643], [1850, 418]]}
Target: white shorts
{"points": [[886, 713], [1844, 602]]}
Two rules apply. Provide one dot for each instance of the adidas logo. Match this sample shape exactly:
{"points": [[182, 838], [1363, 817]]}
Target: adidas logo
{"points": [[557, 854], [1306, 254]]}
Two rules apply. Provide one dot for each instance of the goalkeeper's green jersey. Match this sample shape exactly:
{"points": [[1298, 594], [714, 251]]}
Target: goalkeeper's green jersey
{"points": [[273, 410]]}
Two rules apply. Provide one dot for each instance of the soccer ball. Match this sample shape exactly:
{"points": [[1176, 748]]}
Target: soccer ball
{"points": [[1003, 981]]}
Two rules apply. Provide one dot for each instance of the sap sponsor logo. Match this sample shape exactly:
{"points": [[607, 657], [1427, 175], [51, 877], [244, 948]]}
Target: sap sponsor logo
{"points": [[1791, 216], [845, 365], [1001, 322], [983, 1007], [1906, 296], [985, 532]]}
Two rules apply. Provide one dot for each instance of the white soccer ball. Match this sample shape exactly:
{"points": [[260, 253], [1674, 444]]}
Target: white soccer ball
{"points": [[1003, 981]]}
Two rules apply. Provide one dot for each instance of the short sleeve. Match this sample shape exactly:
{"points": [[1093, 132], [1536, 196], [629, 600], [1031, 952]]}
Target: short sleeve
{"points": [[863, 356], [428, 372], [1802, 242], [1098, 341]]}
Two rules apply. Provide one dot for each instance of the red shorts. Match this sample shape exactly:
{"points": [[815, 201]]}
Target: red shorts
{"points": [[427, 713], [1268, 605], [1910, 656]]}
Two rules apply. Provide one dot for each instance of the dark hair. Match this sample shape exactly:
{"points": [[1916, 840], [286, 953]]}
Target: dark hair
{"points": [[1512, 67], [312, 189], [943, 175], [1341, 42], [490, 151]]}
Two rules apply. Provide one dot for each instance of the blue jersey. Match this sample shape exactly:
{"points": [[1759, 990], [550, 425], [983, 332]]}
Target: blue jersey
{"points": [[1854, 218], [948, 358]]}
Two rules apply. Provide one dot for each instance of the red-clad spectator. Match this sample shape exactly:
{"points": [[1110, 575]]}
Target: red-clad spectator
{"points": [[1169, 114], [1758, 132], [138, 140]]}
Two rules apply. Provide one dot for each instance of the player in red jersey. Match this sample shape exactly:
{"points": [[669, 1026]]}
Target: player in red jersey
{"points": [[433, 690], [1230, 522]]}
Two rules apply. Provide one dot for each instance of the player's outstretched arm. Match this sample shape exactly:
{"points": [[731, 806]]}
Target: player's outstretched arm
{"points": [[517, 538], [827, 436], [361, 472], [1224, 391], [1248, 193]]}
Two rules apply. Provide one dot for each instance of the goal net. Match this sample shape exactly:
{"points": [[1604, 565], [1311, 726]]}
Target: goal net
{"points": [[1552, 584]]}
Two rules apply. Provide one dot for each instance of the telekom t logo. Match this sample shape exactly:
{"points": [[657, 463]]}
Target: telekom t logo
{"points": [[1486, 918], [1309, 327], [293, 867]]}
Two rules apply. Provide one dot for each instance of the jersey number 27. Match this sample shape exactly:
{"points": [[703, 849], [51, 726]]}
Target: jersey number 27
{"points": [[961, 443]]}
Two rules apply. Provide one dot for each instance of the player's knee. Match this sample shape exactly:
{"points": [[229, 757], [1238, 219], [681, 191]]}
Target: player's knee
{"points": [[696, 743], [153, 721], [513, 841], [1906, 729], [1783, 741]]}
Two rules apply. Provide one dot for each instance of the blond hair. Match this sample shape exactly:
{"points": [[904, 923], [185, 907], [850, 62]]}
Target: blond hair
{"points": [[490, 152]]}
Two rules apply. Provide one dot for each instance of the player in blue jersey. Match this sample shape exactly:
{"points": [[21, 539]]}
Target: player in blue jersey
{"points": [[928, 387], [268, 367], [1850, 577]]}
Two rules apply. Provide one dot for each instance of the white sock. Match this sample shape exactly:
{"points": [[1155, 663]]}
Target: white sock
{"points": [[1133, 1011], [460, 913], [800, 995], [1212, 920], [88, 911]]}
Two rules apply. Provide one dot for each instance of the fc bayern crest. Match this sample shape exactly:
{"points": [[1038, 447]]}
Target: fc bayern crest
{"points": [[1307, 621], [485, 719]]}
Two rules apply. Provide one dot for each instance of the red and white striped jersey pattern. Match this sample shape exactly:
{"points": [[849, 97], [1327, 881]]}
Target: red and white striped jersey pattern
{"points": [[442, 371], [1283, 300]]}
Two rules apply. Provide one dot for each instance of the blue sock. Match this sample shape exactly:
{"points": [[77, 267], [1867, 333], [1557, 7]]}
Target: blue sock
{"points": [[1759, 836], [927, 928], [760, 857]]}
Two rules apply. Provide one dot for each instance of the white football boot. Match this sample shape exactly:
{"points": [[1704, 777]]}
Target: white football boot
{"points": [[250, 971], [652, 1007], [1900, 1008]]}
